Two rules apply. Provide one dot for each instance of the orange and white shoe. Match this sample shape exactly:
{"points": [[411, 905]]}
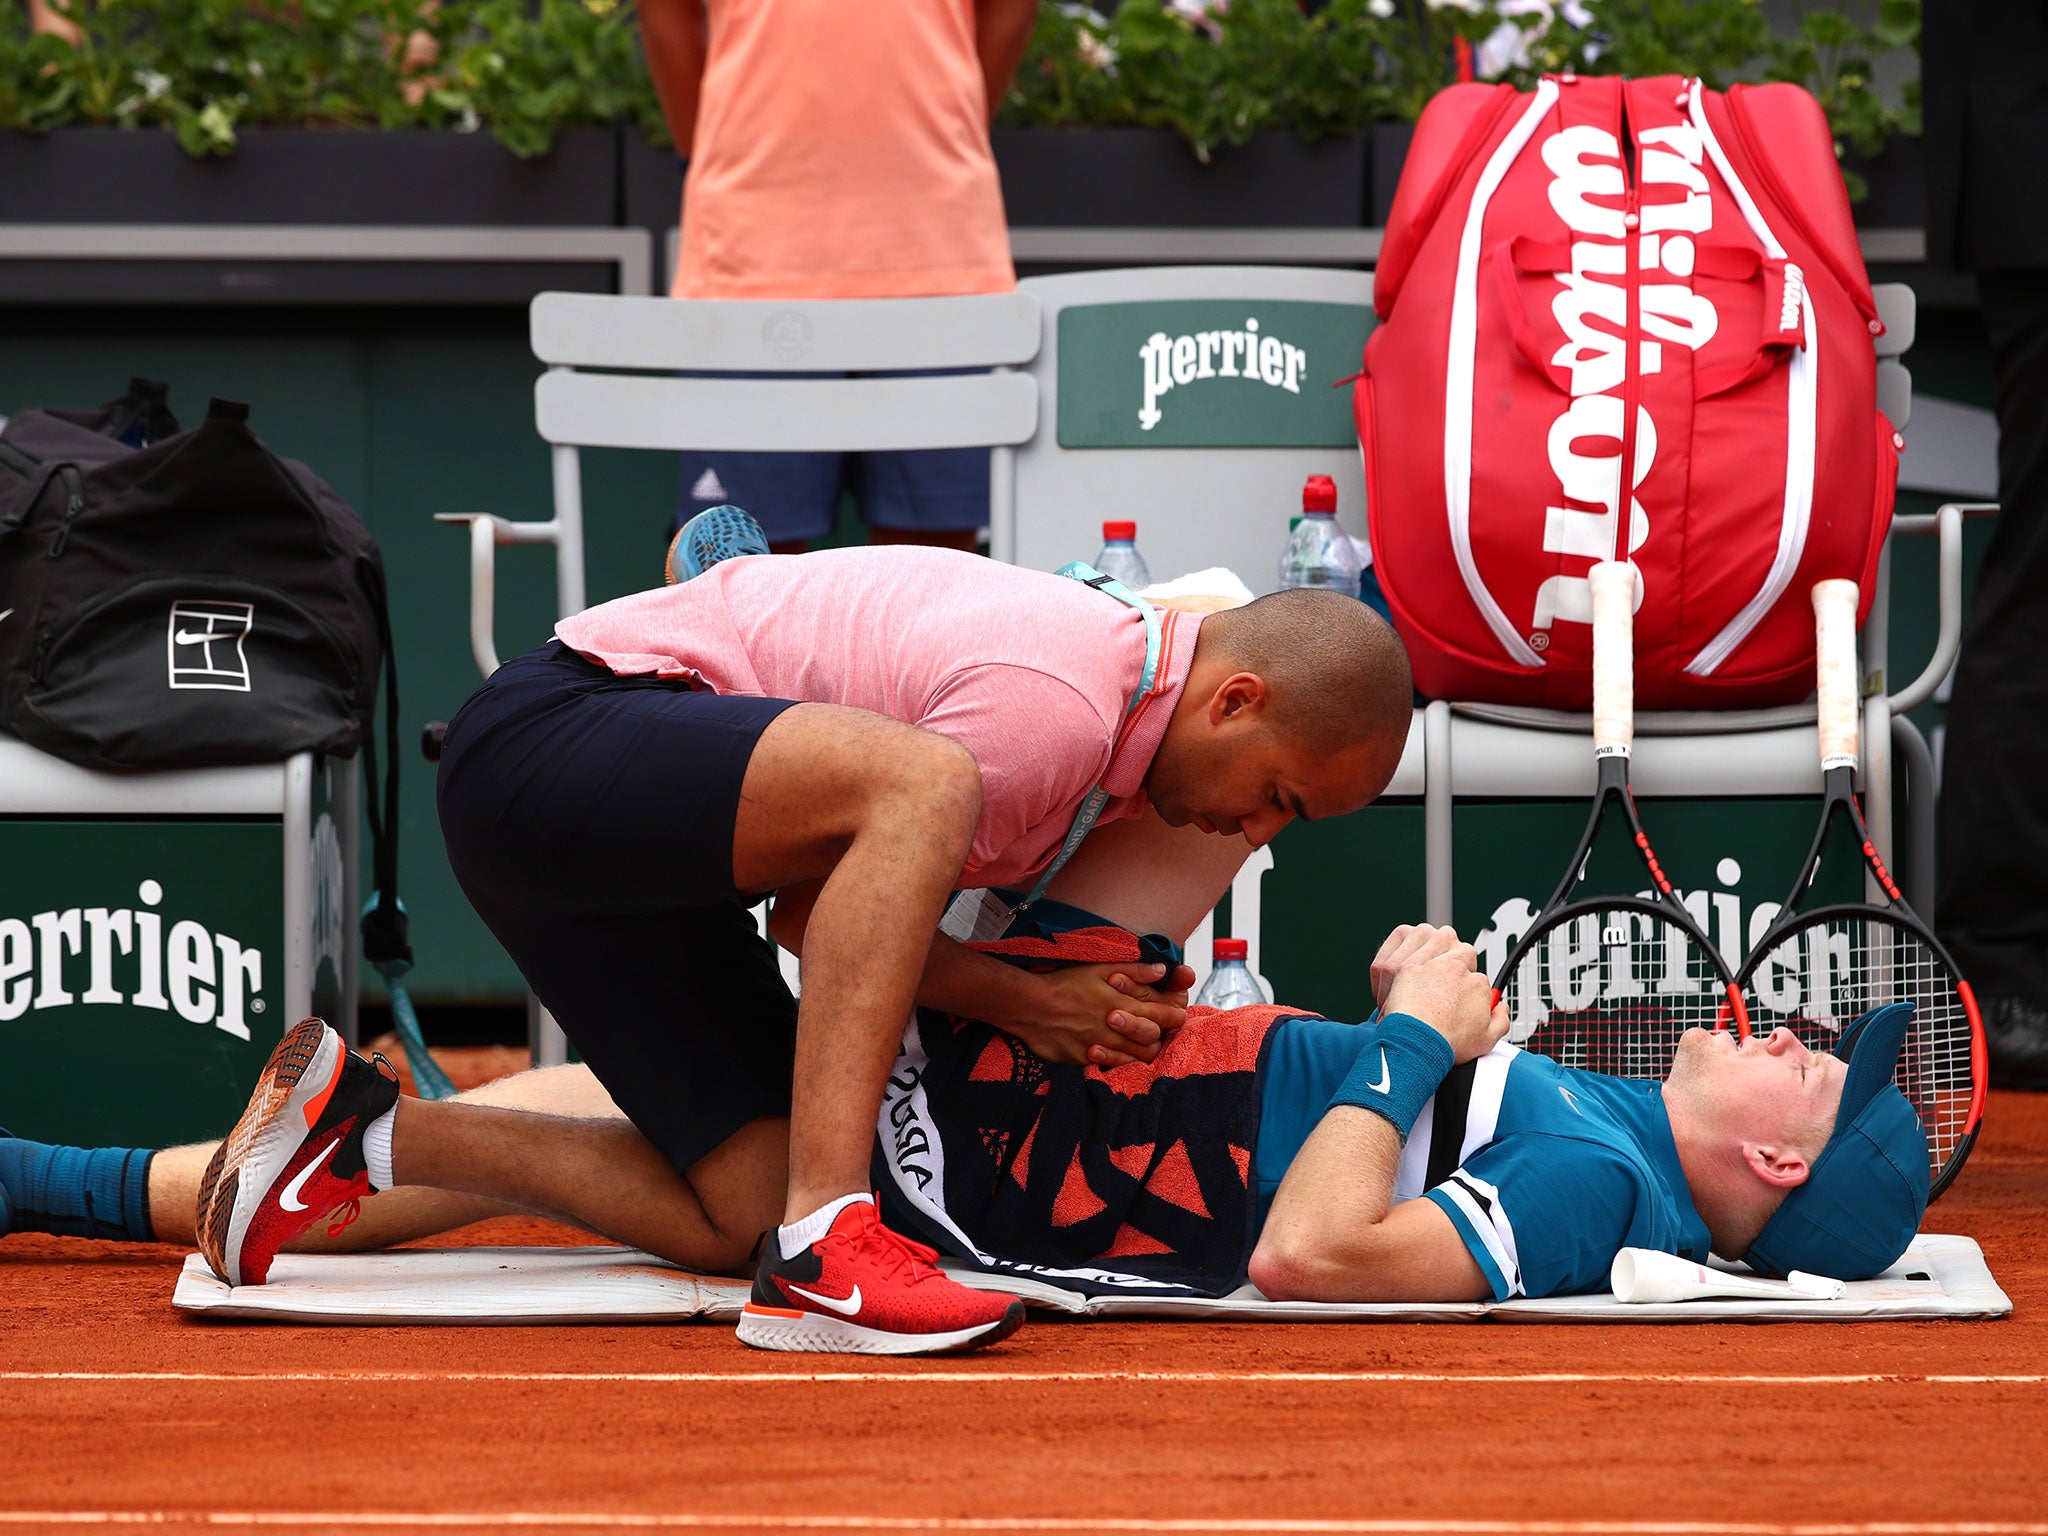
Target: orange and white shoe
{"points": [[296, 1153], [864, 1290]]}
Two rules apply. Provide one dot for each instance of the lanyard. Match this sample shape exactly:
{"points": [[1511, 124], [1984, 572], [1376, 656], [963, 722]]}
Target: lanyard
{"points": [[978, 915]]}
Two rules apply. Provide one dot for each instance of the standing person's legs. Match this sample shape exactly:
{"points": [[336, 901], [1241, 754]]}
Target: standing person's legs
{"points": [[930, 496], [1992, 908], [793, 496]]}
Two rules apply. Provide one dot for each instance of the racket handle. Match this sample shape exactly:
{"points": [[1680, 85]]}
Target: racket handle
{"points": [[1614, 661], [1834, 612]]}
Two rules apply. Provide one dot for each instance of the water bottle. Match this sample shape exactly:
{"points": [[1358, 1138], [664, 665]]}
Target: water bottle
{"points": [[1120, 557], [1231, 983], [1319, 553]]}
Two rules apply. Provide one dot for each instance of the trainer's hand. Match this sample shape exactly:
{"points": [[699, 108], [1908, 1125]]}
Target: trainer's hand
{"points": [[1102, 1015], [1448, 994], [1409, 944]]}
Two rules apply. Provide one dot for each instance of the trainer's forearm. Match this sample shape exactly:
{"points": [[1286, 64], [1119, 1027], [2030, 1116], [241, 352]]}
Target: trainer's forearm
{"points": [[956, 979]]}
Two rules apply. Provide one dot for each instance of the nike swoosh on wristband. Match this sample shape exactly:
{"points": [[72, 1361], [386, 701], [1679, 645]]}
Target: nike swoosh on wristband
{"points": [[1386, 1074], [845, 1308], [290, 1198]]}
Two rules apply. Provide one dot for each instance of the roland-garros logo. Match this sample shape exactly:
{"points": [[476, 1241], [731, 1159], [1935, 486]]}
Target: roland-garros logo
{"points": [[131, 957], [1174, 362]]}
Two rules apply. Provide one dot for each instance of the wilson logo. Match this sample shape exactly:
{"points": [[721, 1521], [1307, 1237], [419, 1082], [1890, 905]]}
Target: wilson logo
{"points": [[127, 956], [1591, 307], [1172, 362]]}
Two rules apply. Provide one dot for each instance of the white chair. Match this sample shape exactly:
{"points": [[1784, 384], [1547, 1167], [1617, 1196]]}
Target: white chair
{"points": [[611, 383], [1211, 506]]}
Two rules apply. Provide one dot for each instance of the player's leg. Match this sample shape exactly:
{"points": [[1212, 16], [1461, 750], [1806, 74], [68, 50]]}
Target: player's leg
{"points": [[1149, 877], [91, 1192], [601, 1175]]}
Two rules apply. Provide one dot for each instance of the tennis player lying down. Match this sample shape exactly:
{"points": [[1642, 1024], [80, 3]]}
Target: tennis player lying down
{"points": [[1415, 1157]]}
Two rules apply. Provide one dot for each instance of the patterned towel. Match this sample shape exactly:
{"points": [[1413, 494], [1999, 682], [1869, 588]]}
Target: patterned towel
{"points": [[1127, 1180]]}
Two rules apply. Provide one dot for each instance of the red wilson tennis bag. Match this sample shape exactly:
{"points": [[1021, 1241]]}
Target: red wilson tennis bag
{"points": [[1605, 283]]}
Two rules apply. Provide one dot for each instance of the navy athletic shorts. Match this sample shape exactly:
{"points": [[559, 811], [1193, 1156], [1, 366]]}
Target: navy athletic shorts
{"points": [[796, 495], [589, 820]]}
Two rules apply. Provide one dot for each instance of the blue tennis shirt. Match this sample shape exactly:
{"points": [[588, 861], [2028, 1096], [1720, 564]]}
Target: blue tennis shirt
{"points": [[1545, 1170]]}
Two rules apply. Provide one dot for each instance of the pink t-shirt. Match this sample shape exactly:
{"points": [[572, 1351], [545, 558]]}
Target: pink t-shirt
{"points": [[841, 152], [1029, 672]]}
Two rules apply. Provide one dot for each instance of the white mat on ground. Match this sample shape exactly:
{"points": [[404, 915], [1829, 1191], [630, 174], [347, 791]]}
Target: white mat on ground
{"points": [[1938, 1277]]}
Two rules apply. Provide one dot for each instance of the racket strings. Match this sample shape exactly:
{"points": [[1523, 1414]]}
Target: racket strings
{"points": [[1829, 971], [1611, 990]]}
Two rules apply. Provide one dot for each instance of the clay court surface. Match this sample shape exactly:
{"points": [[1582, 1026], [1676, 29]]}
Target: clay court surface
{"points": [[114, 1410]]}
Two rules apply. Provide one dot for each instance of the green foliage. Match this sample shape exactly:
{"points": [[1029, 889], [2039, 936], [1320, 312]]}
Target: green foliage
{"points": [[204, 68], [1215, 70]]}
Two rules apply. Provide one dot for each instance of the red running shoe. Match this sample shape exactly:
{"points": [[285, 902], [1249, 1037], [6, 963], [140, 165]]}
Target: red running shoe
{"points": [[296, 1153], [864, 1290]]}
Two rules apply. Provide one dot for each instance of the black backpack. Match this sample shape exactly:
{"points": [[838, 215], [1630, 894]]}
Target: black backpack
{"points": [[174, 599]]}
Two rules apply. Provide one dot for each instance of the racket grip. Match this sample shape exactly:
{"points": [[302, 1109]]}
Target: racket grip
{"points": [[1834, 612], [1614, 662]]}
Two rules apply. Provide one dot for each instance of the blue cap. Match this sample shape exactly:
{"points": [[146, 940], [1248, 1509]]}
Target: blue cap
{"points": [[1862, 1202]]}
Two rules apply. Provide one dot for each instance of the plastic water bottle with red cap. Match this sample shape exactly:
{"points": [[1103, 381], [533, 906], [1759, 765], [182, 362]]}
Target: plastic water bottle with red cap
{"points": [[1320, 553], [1120, 557], [1231, 983]]}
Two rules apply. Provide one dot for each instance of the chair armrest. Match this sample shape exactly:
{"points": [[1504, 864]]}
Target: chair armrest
{"points": [[1946, 524]]}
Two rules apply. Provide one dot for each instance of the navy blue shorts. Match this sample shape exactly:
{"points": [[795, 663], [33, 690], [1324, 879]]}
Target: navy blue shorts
{"points": [[589, 820], [796, 495]]}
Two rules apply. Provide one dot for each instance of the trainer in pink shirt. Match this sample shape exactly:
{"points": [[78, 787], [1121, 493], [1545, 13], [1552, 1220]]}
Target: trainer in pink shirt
{"points": [[1029, 672]]}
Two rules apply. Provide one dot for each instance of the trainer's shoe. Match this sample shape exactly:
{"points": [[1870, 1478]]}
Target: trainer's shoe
{"points": [[6, 1207], [715, 534], [296, 1153], [864, 1290]]}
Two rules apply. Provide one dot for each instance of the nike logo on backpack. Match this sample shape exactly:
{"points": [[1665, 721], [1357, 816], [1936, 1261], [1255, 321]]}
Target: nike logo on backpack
{"points": [[845, 1308]]}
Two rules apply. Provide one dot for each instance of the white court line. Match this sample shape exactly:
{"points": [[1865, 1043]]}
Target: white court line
{"points": [[1022, 1523], [897, 1377]]}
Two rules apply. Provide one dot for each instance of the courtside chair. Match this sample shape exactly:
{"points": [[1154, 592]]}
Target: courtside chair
{"points": [[1215, 475], [611, 383], [1513, 753]]}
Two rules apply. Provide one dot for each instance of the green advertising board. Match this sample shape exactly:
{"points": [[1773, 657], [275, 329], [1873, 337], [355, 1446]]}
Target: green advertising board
{"points": [[1337, 888], [141, 974], [1209, 373]]}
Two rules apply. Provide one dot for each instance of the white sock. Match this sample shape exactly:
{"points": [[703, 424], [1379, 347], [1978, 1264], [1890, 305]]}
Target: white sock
{"points": [[799, 1235], [377, 1150]]}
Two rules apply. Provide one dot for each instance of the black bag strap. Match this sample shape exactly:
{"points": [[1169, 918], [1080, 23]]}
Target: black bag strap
{"points": [[142, 416], [385, 940], [13, 515]]}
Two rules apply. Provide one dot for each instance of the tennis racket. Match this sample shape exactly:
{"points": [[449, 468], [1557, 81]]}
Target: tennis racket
{"points": [[1609, 981], [1816, 970]]}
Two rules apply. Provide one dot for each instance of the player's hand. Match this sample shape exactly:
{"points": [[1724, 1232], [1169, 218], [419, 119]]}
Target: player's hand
{"points": [[1447, 992], [1102, 1015], [1409, 944]]}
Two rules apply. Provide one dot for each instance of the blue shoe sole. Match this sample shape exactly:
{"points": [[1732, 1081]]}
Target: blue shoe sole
{"points": [[715, 534]]}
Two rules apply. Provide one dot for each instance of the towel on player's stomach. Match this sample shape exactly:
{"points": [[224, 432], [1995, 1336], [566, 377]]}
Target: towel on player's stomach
{"points": [[1129, 1180]]}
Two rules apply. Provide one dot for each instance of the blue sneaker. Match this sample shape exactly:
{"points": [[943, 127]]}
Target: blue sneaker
{"points": [[715, 534], [6, 1210]]}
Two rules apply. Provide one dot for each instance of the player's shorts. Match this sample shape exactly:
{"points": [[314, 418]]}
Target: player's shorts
{"points": [[589, 820], [796, 495]]}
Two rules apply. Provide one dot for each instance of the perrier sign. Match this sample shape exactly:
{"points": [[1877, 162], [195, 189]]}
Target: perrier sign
{"points": [[1209, 373], [141, 975]]}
